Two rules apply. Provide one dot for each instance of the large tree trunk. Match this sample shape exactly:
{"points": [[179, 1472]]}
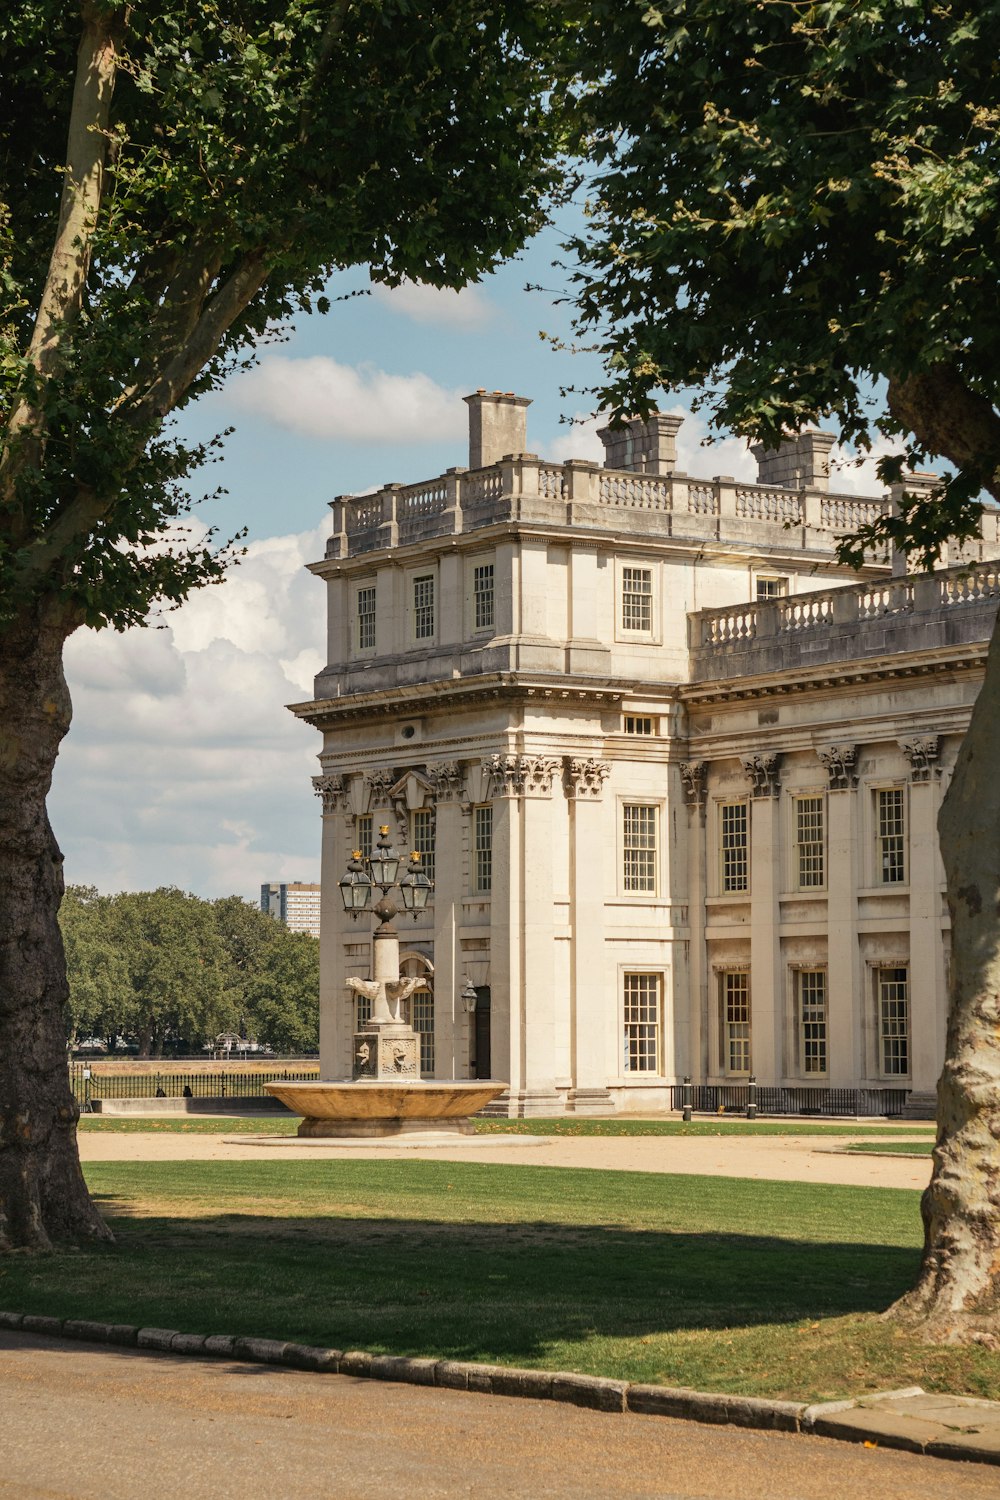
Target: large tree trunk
{"points": [[956, 1295], [43, 1197]]}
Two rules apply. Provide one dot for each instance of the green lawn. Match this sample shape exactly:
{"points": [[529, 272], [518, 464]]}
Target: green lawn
{"points": [[286, 1125], [720, 1284], [897, 1148]]}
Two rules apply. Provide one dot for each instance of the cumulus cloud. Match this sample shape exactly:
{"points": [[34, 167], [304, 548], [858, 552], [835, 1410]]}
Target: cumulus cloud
{"points": [[183, 765], [470, 309], [323, 399]]}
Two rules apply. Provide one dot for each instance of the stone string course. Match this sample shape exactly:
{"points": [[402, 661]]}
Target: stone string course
{"points": [[873, 1420]]}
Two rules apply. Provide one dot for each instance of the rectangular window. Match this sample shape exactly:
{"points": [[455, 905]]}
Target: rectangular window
{"points": [[422, 1021], [363, 834], [482, 849], [642, 1023], [812, 1019], [423, 607], [890, 813], [363, 1011], [482, 597], [810, 843], [366, 618], [736, 1021], [771, 588], [893, 1000], [639, 847], [733, 822], [637, 599], [422, 838], [638, 724]]}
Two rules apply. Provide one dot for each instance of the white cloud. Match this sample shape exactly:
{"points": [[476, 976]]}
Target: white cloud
{"points": [[853, 473], [470, 309], [183, 765], [323, 399]]}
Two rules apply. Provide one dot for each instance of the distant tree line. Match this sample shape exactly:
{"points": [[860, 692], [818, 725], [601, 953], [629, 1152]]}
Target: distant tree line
{"points": [[164, 972]]}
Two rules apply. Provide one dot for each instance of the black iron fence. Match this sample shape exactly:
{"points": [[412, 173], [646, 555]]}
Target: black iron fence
{"points": [[88, 1084], [767, 1099]]}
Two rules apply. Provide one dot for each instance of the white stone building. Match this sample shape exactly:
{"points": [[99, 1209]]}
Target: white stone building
{"points": [[674, 773]]}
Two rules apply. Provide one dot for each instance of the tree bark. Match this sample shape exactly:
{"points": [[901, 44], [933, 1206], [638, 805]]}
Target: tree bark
{"points": [[43, 1197], [956, 1295]]}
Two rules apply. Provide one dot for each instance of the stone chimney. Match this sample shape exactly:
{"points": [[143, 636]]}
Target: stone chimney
{"points": [[798, 463], [498, 425], [642, 445]]}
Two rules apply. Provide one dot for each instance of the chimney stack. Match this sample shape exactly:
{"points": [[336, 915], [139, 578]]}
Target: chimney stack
{"points": [[498, 425], [642, 445], [798, 463]]}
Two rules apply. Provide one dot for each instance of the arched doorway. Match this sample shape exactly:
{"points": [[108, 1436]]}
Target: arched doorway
{"points": [[421, 1006]]}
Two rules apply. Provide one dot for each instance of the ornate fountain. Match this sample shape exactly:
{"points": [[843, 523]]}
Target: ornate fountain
{"points": [[386, 1095]]}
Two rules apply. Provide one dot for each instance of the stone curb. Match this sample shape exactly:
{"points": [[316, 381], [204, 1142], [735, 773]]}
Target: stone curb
{"points": [[590, 1391]]}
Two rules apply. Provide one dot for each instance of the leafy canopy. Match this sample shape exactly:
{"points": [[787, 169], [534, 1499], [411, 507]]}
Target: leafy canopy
{"points": [[224, 160], [794, 200]]}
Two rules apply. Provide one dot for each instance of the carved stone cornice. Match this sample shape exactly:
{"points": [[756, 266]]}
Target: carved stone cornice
{"points": [[537, 772], [922, 753], [840, 764], [332, 790], [761, 771], [694, 775], [585, 779], [446, 780]]}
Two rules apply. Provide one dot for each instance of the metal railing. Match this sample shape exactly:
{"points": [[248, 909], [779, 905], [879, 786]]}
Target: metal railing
{"points": [[88, 1085], [768, 1099]]}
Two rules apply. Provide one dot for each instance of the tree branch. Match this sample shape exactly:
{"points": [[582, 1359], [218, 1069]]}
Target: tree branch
{"points": [[182, 304], [951, 420]]}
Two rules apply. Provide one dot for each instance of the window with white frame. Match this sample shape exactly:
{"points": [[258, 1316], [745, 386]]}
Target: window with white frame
{"points": [[483, 611], [771, 588], [638, 724], [639, 847], [892, 998], [482, 849], [643, 997], [423, 607], [890, 836], [365, 601], [422, 1021], [811, 984], [733, 830], [810, 843], [637, 600], [362, 1010], [734, 987], [422, 838], [363, 834]]}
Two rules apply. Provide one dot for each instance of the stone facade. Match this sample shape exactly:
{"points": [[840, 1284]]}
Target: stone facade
{"points": [[673, 770]]}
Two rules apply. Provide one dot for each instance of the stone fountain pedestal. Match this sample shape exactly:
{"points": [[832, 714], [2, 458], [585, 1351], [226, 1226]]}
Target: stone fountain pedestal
{"points": [[357, 1109]]}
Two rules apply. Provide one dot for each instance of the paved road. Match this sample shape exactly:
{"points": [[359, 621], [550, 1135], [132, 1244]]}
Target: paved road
{"points": [[83, 1423]]}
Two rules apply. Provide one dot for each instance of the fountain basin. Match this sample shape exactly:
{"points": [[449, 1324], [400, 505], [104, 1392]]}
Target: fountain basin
{"points": [[359, 1108]]}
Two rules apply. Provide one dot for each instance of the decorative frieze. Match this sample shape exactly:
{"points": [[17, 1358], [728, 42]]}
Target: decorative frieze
{"points": [[585, 779], [694, 776], [380, 784], [840, 764], [537, 772], [762, 773], [332, 791], [446, 780], [503, 776], [922, 753]]}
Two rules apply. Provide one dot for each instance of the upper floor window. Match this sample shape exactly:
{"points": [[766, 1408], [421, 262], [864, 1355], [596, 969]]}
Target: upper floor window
{"points": [[482, 849], [639, 847], [810, 843], [423, 607], [637, 600], [366, 617], [890, 823], [771, 588], [733, 851], [422, 838], [638, 724], [483, 612]]}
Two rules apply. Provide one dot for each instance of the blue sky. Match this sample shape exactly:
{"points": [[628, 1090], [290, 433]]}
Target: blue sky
{"points": [[183, 766]]}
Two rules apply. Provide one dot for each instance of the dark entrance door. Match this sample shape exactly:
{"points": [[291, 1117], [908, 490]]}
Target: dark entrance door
{"points": [[483, 1062]]}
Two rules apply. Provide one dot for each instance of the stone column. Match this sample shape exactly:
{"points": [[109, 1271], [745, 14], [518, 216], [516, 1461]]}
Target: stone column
{"points": [[928, 1004], [336, 1022], [451, 1024], [501, 775], [537, 988], [845, 973], [694, 776], [767, 985], [593, 1000]]}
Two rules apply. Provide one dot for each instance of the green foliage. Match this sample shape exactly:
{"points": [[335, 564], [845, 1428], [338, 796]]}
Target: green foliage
{"points": [[238, 157], [167, 971], [795, 200]]}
